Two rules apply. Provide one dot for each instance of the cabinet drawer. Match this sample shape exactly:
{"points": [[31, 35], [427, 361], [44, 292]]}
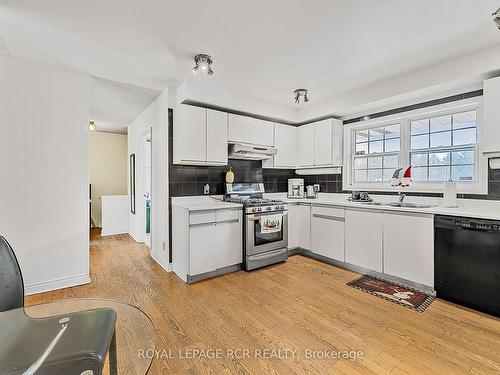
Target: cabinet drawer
{"points": [[200, 217], [333, 212], [226, 215]]}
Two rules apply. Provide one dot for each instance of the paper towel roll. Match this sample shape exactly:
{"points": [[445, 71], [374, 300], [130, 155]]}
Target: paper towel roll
{"points": [[450, 194]]}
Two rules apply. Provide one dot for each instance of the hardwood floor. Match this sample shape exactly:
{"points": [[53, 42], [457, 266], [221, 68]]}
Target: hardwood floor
{"points": [[302, 304]]}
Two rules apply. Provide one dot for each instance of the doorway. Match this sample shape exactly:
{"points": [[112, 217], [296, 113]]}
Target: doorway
{"points": [[146, 142]]}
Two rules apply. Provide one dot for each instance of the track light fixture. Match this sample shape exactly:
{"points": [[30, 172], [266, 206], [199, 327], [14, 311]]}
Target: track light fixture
{"points": [[203, 63], [301, 93]]}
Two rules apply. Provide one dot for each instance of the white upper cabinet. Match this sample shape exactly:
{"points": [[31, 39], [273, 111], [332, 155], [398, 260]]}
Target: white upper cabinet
{"points": [[286, 141], [250, 130], [323, 143], [490, 129], [320, 144], [200, 136], [190, 131], [306, 145], [216, 137]]}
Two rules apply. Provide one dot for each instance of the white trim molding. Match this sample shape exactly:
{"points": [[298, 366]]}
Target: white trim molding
{"points": [[48, 286], [479, 186]]}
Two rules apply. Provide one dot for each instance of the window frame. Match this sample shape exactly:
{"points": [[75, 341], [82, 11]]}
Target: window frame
{"points": [[479, 186]]}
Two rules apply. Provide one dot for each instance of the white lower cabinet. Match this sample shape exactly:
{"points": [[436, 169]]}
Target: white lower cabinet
{"points": [[364, 238], [201, 248], [205, 241], [228, 243], [299, 225], [304, 215], [409, 246], [293, 226], [327, 232]]}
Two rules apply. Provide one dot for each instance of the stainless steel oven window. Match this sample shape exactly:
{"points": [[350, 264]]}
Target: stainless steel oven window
{"points": [[265, 238]]}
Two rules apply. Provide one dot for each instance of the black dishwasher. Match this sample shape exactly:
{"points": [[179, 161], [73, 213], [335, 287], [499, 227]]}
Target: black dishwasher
{"points": [[467, 262]]}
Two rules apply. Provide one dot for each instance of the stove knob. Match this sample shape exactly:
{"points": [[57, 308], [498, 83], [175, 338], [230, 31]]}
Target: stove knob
{"points": [[259, 209], [269, 208]]}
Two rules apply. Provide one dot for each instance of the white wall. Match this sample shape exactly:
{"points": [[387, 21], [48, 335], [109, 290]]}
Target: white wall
{"points": [[44, 169], [155, 117], [108, 168]]}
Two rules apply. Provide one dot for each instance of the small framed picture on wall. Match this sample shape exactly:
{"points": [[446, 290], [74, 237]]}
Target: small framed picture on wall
{"points": [[132, 183]]}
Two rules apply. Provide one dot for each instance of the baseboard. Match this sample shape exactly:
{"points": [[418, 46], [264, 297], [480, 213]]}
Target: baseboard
{"points": [[167, 267], [113, 233], [56, 284], [361, 270]]}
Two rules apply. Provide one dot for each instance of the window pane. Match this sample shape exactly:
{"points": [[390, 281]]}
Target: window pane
{"points": [[462, 173], [439, 158], [375, 175], [420, 127], [391, 161], [376, 146], [419, 159], [375, 162], [419, 141], [392, 131], [439, 173], [464, 120], [361, 148], [376, 134], [388, 174], [419, 173], [462, 157], [441, 123], [441, 139], [360, 163], [360, 176], [464, 136], [361, 136], [392, 145]]}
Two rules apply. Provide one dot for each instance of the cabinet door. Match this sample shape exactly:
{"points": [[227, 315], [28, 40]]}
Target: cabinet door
{"points": [[363, 238], [306, 145], [293, 226], [338, 142], [327, 232], [202, 247], [285, 140], [489, 135], [190, 133], [323, 137], [250, 130], [409, 247], [228, 243], [304, 226], [216, 137]]}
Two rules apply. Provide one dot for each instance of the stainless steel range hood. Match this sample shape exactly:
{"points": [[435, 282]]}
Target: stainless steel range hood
{"points": [[250, 152]]}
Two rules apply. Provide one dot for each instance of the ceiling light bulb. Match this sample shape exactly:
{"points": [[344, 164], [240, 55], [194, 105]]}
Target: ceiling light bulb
{"points": [[301, 92], [203, 63]]}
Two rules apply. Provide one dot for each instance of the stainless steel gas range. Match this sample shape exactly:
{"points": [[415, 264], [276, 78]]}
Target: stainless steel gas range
{"points": [[265, 225]]}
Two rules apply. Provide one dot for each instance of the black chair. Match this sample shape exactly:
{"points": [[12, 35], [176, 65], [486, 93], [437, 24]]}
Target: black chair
{"points": [[75, 343]]}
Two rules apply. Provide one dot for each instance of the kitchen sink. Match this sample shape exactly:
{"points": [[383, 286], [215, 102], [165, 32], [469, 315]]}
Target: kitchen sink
{"points": [[399, 204]]}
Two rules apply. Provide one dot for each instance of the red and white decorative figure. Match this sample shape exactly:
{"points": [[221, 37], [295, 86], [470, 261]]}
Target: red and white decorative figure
{"points": [[404, 181]]}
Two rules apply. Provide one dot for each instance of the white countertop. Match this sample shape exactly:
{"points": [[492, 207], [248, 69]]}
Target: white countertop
{"points": [[202, 203], [474, 208]]}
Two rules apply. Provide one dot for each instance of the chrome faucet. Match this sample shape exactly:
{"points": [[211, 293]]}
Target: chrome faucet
{"points": [[401, 197]]}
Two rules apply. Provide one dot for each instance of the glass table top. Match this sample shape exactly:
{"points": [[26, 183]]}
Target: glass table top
{"points": [[135, 333]]}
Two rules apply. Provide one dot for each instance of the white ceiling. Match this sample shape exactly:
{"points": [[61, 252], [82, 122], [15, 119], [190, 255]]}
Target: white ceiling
{"points": [[263, 49], [114, 105]]}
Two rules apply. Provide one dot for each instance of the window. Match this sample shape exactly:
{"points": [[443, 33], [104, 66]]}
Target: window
{"points": [[377, 153], [440, 143], [443, 148]]}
